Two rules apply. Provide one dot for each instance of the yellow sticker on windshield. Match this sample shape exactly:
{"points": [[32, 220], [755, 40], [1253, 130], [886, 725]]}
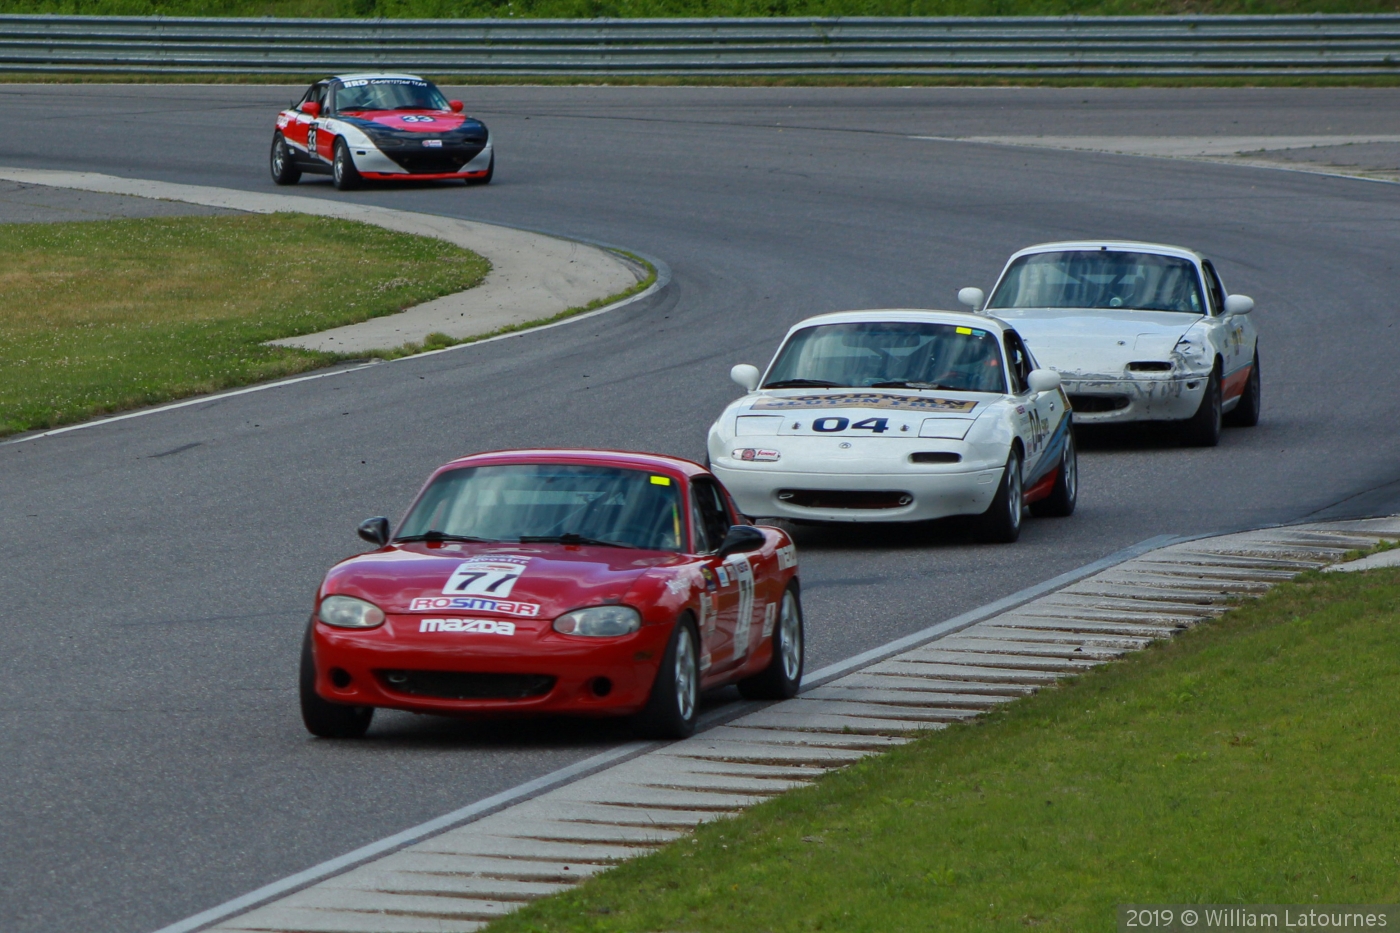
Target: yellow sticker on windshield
{"points": [[965, 330], [661, 480]]}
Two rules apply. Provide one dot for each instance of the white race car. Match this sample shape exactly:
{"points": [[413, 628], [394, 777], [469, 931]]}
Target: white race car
{"points": [[1138, 332], [899, 416]]}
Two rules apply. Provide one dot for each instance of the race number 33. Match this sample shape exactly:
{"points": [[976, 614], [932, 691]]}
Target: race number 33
{"points": [[494, 577]]}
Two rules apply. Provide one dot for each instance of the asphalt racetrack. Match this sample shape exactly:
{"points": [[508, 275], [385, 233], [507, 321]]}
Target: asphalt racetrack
{"points": [[157, 572]]}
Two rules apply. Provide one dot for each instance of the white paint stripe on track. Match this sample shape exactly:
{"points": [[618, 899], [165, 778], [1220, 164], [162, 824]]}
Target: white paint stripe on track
{"points": [[631, 750], [409, 836]]}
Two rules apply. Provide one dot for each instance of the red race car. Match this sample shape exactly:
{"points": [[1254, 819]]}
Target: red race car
{"points": [[584, 582], [381, 127]]}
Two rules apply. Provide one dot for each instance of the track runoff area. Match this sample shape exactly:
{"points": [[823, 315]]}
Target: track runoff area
{"points": [[743, 235]]}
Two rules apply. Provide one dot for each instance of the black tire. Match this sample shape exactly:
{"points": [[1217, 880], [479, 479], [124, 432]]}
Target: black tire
{"points": [[1001, 523], [1203, 428], [1063, 497], [1245, 414], [322, 717], [782, 678], [490, 173], [343, 171], [674, 705], [283, 165]]}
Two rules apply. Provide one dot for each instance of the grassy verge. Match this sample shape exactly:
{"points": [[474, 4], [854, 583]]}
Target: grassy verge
{"points": [[1252, 760], [101, 316]]}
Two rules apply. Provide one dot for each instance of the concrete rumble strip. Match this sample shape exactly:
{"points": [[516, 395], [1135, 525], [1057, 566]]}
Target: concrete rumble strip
{"points": [[460, 880]]}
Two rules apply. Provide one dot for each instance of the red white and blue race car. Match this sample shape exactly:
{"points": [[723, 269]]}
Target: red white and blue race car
{"points": [[382, 127], [581, 582]]}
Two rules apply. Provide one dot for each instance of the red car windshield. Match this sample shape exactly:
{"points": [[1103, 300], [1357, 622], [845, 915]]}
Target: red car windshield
{"points": [[567, 503], [389, 94]]}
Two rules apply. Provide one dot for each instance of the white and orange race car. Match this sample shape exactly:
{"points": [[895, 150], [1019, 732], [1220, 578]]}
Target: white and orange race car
{"points": [[381, 127]]}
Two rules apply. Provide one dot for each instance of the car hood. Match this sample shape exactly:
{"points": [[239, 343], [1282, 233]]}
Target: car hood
{"points": [[412, 121], [556, 578], [1098, 341], [788, 407]]}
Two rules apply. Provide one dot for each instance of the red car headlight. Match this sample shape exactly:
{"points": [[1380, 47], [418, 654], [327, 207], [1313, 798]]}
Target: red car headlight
{"points": [[599, 621], [349, 612]]}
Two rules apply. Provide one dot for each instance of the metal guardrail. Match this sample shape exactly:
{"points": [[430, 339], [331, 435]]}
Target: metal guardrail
{"points": [[1142, 45]]}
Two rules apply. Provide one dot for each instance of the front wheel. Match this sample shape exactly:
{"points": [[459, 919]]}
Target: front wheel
{"points": [[1061, 501], [322, 717], [284, 167], [343, 170], [1245, 414], [1203, 428], [782, 677], [1001, 523], [674, 705]]}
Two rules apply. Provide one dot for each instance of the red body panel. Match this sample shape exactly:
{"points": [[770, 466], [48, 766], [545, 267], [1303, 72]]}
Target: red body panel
{"points": [[1233, 384], [1042, 488], [407, 582]]}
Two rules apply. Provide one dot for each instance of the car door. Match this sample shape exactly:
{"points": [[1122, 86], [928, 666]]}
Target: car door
{"points": [[728, 640], [297, 130], [1236, 336], [1037, 412]]}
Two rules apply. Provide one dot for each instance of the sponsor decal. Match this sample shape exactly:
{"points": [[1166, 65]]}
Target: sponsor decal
{"points": [[473, 604], [709, 576], [433, 143], [486, 576], [661, 480], [757, 454], [477, 626], [862, 400], [361, 82], [770, 613], [787, 556], [708, 614], [723, 575], [743, 624]]}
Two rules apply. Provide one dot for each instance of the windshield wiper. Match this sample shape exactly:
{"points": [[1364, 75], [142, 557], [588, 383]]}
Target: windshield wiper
{"points": [[570, 538], [899, 384], [442, 536], [796, 383]]}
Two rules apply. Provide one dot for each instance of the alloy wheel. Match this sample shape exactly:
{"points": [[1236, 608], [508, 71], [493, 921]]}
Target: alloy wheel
{"points": [[790, 628], [687, 685]]}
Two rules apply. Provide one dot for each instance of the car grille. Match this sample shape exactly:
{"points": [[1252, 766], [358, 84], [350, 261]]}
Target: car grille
{"points": [[424, 161], [1088, 404], [457, 685], [845, 499]]}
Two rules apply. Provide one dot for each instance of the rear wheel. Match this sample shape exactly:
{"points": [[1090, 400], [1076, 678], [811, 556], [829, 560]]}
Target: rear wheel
{"points": [[322, 717], [1061, 501], [284, 167], [1246, 413], [1203, 428], [782, 678], [674, 705], [343, 170], [1001, 523]]}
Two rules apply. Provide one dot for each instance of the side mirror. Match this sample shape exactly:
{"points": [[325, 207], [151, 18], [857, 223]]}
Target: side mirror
{"points": [[741, 538], [374, 530], [1238, 304], [456, 105], [972, 297], [746, 375], [1043, 380], [310, 108]]}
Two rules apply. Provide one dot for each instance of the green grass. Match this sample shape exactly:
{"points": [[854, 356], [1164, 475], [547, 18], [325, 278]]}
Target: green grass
{"points": [[98, 316], [1252, 760], [677, 8]]}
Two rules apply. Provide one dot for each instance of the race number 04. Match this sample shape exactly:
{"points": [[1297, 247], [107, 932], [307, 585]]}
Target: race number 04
{"points": [[830, 425]]}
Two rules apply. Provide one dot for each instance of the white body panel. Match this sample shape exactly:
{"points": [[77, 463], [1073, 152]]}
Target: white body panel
{"points": [[815, 453]]}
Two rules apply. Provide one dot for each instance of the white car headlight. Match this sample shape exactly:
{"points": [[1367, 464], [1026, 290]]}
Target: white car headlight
{"points": [[599, 621], [757, 425], [349, 612], [954, 428]]}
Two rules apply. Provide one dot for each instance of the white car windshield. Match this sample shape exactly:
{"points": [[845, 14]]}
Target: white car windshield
{"points": [[549, 502], [890, 355], [1100, 279], [389, 94]]}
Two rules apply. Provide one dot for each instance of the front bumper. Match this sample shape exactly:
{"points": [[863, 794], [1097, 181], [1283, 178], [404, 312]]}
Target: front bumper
{"points": [[383, 162], [932, 493], [1116, 400], [353, 667]]}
